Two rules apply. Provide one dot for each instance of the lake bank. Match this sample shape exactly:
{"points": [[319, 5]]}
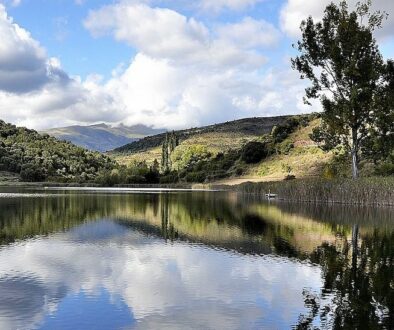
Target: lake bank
{"points": [[377, 191]]}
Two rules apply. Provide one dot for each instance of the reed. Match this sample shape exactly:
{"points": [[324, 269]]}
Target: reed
{"points": [[363, 191]]}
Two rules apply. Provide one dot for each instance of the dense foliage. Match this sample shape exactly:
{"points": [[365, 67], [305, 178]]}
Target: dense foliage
{"points": [[340, 57], [39, 157], [253, 152]]}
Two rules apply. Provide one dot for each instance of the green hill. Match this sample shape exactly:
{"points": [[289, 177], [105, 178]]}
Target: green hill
{"points": [[252, 149], [238, 129], [39, 157], [102, 137]]}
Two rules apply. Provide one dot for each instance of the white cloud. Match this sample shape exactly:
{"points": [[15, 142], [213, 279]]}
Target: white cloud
{"points": [[183, 74], [294, 11], [16, 3], [218, 5], [165, 34], [23, 62], [154, 279], [157, 32], [250, 33]]}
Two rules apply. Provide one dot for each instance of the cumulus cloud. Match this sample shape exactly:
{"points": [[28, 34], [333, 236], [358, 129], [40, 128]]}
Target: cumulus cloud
{"points": [[250, 33], [24, 65], [165, 34], [294, 11], [218, 5], [184, 73]]}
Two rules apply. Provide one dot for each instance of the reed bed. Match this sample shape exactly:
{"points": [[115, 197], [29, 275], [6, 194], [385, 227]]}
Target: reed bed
{"points": [[363, 191]]}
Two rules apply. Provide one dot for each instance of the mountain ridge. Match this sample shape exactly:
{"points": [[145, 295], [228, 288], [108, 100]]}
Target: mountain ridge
{"points": [[101, 137], [254, 126]]}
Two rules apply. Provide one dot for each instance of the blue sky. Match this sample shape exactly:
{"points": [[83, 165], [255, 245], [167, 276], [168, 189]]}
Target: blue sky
{"points": [[162, 63], [58, 26]]}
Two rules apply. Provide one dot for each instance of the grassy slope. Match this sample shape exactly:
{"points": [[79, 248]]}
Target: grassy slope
{"points": [[305, 159], [217, 138], [248, 127]]}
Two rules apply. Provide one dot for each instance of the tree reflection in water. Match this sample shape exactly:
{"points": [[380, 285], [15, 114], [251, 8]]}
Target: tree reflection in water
{"points": [[354, 247], [360, 276]]}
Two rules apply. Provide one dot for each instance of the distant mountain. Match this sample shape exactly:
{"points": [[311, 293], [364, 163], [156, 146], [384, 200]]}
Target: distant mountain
{"points": [[102, 137]]}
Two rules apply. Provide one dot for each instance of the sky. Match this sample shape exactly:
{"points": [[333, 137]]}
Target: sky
{"points": [[163, 63]]}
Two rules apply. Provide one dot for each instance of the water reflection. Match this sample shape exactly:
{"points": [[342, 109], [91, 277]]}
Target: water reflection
{"points": [[192, 260]]}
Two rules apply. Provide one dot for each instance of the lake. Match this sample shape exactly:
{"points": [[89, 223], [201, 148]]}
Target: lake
{"points": [[109, 259]]}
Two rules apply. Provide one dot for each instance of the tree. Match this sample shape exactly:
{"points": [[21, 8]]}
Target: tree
{"points": [[170, 142], [380, 141], [339, 55]]}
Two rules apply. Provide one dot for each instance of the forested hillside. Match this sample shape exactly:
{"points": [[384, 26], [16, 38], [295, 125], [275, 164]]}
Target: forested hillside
{"points": [[39, 157]]}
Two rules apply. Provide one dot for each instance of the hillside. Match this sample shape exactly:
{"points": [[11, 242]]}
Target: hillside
{"points": [[102, 137], [220, 152], [39, 157], [230, 131]]}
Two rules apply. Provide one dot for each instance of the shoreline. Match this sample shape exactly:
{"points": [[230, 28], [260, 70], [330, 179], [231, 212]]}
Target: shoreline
{"points": [[372, 191]]}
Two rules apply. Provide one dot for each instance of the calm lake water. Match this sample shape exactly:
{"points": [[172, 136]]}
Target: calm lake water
{"points": [[191, 260]]}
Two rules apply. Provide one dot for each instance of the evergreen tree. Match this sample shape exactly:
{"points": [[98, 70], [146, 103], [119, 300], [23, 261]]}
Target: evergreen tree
{"points": [[171, 141]]}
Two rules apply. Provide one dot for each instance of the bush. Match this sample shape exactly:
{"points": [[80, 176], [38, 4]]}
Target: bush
{"points": [[195, 177], [285, 147], [385, 169], [171, 177], [281, 132], [253, 152], [185, 156], [32, 173]]}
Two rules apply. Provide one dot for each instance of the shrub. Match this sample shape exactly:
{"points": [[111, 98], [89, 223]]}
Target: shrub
{"points": [[385, 169], [185, 156], [171, 177], [253, 152], [281, 132], [196, 177], [285, 147], [32, 173]]}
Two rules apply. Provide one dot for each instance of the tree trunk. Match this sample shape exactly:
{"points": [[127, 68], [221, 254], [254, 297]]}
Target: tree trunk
{"points": [[354, 153]]}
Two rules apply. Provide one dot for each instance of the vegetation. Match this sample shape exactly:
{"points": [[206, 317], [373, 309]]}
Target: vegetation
{"points": [[232, 131], [254, 151], [341, 58], [213, 156], [38, 157], [170, 143], [370, 191]]}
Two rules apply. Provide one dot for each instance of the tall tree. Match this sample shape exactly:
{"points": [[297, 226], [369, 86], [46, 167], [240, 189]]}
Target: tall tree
{"points": [[339, 55], [170, 142], [380, 142]]}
